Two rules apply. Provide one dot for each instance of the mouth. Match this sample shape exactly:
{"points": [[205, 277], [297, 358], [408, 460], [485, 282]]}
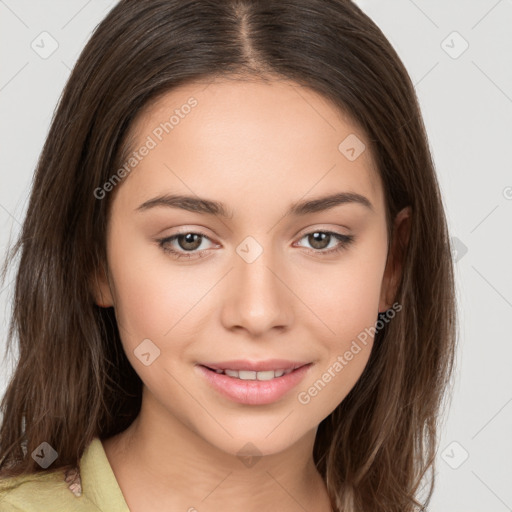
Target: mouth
{"points": [[251, 386]]}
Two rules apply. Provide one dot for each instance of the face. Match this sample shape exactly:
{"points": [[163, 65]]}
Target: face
{"points": [[268, 280]]}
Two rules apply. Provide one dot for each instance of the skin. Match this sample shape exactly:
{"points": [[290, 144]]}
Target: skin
{"points": [[257, 147]]}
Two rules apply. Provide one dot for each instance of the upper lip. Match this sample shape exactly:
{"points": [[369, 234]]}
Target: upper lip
{"points": [[256, 366]]}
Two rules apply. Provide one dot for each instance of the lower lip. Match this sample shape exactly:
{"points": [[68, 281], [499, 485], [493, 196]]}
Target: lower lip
{"points": [[254, 392]]}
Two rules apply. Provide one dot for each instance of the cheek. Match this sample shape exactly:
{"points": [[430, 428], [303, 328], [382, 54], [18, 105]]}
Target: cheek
{"points": [[156, 298], [150, 295], [345, 296], [346, 341]]}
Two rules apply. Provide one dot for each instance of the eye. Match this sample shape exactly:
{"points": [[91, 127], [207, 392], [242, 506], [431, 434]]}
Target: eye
{"points": [[188, 243], [320, 241]]}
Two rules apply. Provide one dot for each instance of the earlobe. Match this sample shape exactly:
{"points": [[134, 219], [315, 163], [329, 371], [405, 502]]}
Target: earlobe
{"points": [[395, 262]]}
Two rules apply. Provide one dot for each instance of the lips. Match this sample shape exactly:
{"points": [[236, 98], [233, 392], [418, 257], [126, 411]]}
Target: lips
{"points": [[245, 385]]}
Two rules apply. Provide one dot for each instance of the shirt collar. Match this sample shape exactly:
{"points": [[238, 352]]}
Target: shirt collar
{"points": [[99, 483]]}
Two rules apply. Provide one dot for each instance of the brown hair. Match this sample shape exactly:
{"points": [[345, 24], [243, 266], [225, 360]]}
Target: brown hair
{"points": [[73, 381]]}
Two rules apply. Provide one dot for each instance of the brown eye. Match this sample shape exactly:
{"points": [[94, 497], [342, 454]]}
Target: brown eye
{"points": [[185, 245], [320, 241], [189, 241]]}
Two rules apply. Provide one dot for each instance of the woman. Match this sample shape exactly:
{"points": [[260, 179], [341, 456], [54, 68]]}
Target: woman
{"points": [[235, 273]]}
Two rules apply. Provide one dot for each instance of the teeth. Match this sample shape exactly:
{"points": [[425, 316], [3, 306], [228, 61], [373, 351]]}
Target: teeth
{"points": [[250, 375]]}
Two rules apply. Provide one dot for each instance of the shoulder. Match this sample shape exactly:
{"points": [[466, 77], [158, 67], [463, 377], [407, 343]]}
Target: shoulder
{"points": [[39, 492]]}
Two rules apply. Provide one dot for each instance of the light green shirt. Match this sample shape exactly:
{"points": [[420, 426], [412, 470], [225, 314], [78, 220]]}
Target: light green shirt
{"points": [[48, 491]]}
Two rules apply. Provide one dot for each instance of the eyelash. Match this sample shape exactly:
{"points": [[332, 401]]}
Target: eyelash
{"points": [[345, 241]]}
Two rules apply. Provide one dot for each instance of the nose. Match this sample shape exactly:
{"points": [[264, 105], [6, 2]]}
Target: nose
{"points": [[256, 297]]}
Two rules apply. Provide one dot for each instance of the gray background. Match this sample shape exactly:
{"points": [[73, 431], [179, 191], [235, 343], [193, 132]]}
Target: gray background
{"points": [[466, 98]]}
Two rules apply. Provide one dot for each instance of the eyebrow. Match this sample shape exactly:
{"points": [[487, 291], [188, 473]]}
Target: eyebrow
{"points": [[218, 209]]}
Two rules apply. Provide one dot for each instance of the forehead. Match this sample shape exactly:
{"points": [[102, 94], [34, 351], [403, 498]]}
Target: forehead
{"points": [[248, 137]]}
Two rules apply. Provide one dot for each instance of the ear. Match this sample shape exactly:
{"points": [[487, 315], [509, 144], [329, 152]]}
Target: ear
{"points": [[394, 265], [101, 288]]}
